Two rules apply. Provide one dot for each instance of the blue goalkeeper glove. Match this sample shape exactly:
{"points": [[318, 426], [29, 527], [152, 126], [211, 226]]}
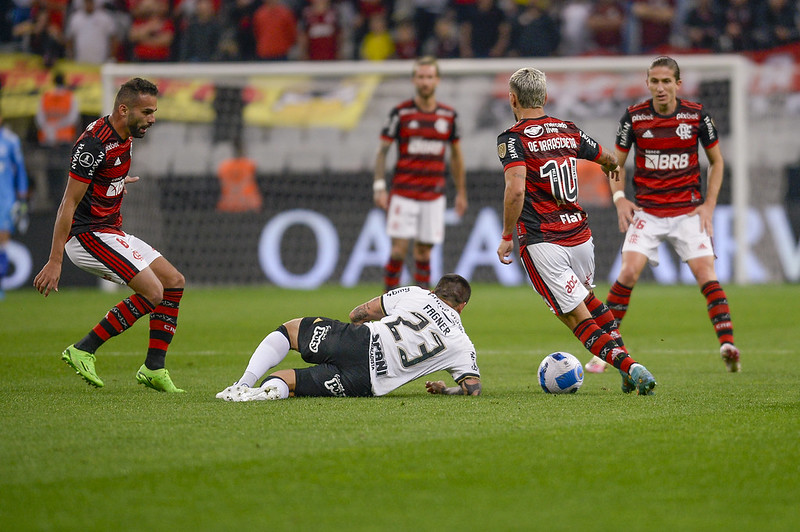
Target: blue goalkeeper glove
{"points": [[19, 213]]}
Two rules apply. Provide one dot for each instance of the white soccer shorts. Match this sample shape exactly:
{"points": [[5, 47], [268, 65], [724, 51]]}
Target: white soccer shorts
{"points": [[422, 221], [116, 258], [683, 232], [562, 275]]}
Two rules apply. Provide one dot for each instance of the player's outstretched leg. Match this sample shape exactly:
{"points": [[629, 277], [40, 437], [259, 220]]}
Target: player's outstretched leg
{"points": [[157, 379], [83, 364]]}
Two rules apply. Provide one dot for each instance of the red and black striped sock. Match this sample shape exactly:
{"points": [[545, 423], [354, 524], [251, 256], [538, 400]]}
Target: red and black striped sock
{"points": [[120, 318], [391, 279], [604, 318], [619, 297], [718, 311], [163, 321], [601, 345], [423, 274]]}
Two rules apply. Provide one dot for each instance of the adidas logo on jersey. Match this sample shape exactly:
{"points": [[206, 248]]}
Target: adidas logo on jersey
{"points": [[117, 162], [647, 134]]}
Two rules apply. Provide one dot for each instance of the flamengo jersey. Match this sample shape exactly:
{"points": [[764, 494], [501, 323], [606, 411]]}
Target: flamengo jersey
{"points": [[667, 174], [421, 141], [419, 335], [549, 149], [101, 159]]}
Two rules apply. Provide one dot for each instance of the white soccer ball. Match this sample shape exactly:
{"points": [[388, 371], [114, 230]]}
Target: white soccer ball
{"points": [[560, 372]]}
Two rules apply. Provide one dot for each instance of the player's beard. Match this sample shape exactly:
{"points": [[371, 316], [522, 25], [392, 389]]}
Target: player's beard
{"points": [[426, 92], [138, 130]]}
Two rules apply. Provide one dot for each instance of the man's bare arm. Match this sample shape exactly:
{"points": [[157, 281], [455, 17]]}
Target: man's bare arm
{"points": [[469, 386], [371, 310]]}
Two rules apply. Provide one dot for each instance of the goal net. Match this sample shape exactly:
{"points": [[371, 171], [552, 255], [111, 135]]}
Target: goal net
{"points": [[302, 214]]}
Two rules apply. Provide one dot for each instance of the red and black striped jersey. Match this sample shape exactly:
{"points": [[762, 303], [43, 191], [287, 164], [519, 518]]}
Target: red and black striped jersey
{"points": [[549, 149], [102, 159], [666, 178], [422, 138]]}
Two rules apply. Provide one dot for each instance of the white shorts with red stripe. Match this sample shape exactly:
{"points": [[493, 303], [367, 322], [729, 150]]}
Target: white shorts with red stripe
{"points": [[422, 221], [562, 275], [647, 231], [116, 258]]}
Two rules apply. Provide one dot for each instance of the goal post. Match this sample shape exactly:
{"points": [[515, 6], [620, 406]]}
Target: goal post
{"points": [[625, 83]]}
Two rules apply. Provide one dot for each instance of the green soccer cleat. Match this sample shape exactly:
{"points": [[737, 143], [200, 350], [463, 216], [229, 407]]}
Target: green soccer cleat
{"points": [[157, 379], [83, 364], [642, 379], [627, 382]]}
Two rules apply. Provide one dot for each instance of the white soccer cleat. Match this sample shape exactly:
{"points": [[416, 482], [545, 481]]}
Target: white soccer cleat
{"points": [[233, 393], [730, 355], [266, 392], [596, 365]]}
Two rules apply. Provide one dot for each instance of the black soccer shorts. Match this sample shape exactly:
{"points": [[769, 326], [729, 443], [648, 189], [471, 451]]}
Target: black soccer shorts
{"points": [[341, 354]]}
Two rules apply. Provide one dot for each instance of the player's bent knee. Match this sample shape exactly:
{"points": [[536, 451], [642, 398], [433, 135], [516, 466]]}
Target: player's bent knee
{"points": [[175, 280], [291, 329]]}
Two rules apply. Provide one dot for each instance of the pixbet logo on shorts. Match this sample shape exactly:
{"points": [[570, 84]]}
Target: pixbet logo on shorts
{"points": [[317, 337]]}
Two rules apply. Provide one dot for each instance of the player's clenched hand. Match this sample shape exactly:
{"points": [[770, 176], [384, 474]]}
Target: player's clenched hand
{"points": [[435, 387], [626, 210], [48, 278], [504, 251]]}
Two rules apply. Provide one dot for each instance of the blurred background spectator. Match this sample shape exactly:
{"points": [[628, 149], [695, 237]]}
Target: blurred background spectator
{"points": [[572, 18], [486, 31], [605, 26], [650, 25], [92, 33], [275, 31], [200, 38], [377, 44], [776, 23], [406, 43], [702, 26], [534, 33], [320, 35], [737, 34], [152, 31]]}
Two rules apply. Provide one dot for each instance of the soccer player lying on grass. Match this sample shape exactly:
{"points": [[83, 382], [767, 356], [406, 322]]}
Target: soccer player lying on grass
{"points": [[415, 332]]}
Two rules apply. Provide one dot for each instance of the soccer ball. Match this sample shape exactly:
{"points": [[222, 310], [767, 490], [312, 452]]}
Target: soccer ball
{"points": [[560, 372]]}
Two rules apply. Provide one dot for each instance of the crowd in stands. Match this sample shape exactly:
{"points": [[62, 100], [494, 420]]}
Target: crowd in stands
{"points": [[96, 31]]}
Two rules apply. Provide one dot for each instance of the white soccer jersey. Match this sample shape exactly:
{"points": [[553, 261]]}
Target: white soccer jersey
{"points": [[421, 334]]}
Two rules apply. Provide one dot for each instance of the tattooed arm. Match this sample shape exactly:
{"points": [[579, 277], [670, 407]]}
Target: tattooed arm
{"points": [[371, 310]]}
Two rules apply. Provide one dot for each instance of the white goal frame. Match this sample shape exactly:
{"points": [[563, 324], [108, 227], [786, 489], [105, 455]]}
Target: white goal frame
{"points": [[736, 67]]}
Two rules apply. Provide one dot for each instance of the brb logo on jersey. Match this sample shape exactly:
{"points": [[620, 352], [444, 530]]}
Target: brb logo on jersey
{"points": [[319, 335], [655, 160], [116, 187]]}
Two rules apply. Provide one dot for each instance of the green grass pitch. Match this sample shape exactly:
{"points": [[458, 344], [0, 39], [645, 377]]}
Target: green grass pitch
{"points": [[710, 451]]}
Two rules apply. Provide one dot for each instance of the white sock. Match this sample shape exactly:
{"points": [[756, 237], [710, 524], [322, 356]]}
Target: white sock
{"points": [[269, 353], [283, 388]]}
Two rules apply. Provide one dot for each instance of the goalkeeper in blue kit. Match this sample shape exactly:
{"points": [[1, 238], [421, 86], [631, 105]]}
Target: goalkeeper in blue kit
{"points": [[13, 194]]}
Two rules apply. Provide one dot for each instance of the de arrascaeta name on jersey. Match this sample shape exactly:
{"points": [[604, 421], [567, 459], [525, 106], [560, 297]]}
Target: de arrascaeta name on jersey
{"points": [[548, 144]]}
